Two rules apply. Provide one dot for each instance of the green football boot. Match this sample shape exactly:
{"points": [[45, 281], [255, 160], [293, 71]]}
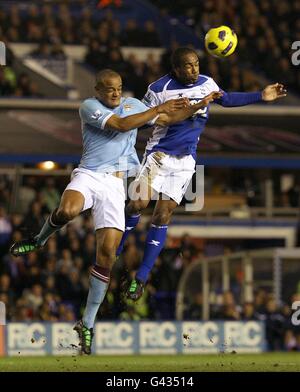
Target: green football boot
{"points": [[85, 335], [24, 247], [135, 290]]}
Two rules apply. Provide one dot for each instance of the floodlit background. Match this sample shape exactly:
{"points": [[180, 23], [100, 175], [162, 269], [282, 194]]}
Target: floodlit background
{"points": [[229, 273]]}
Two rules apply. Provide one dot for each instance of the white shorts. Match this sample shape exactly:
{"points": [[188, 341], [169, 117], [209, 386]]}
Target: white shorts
{"points": [[104, 194], [167, 174]]}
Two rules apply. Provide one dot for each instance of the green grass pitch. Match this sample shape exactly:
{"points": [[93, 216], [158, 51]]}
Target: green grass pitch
{"points": [[265, 362]]}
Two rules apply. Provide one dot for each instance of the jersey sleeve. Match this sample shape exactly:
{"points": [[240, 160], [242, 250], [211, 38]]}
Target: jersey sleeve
{"points": [[233, 99], [152, 98], [139, 105], [94, 113], [213, 86], [239, 99], [142, 108]]}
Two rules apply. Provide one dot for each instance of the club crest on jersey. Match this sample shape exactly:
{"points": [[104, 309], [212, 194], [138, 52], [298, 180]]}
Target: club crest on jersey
{"points": [[96, 115], [127, 107], [203, 91]]}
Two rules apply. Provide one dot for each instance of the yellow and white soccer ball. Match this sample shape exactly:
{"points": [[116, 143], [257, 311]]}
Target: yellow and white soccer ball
{"points": [[221, 41]]}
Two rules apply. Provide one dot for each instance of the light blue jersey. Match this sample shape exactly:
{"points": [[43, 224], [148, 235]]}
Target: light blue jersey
{"points": [[107, 150]]}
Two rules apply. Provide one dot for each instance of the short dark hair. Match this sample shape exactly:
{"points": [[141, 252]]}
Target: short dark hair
{"points": [[105, 73], [178, 54]]}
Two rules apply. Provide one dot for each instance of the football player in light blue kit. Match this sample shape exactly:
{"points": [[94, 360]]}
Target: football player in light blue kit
{"points": [[170, 154], [109, 127]]}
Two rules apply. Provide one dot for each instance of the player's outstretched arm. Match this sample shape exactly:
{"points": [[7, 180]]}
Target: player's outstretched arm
{"points": [[270, 93], [125, 124], [273, 92], [186, 112]]}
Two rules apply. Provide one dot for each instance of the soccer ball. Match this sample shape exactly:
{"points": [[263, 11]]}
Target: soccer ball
{"points": [[220, 41]]}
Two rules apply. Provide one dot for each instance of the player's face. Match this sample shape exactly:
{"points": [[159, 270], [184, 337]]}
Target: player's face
{"points": [[110, 92], [188, 71]]}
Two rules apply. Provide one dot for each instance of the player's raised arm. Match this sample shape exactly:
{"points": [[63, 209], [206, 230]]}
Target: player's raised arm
{"points": [[188, 111], [124, 124], [270, 93], [103, 111]]}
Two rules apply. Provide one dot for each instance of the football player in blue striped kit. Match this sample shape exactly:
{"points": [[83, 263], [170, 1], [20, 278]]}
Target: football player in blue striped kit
{"points": [[170, 154]]}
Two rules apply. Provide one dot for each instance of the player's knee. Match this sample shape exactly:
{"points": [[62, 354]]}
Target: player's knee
{"points": [[134, 208], [162, 217], [106, 256], [67, 213]]}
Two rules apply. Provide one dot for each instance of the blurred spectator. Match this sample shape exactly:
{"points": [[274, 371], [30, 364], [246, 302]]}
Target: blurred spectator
{"points": [[6, 289], [5, 86], [42, 51], [34, 217], [290, 341], [5, 231], [194, 309], [95, 56], [27, 193], [34, 297], [248, 312], [132, 35], [274, 326], [149, 35], [50, 194]]}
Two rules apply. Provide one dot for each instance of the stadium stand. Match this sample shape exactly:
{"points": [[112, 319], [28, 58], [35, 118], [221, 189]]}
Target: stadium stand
{"points": [[52, 285]]}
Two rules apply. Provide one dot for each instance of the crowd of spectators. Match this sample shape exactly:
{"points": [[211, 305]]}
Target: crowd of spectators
{"points": [[266, 30], [50, 27], [52, 284], [264, 40], [16, 84], [63, 24], [281, 334]]}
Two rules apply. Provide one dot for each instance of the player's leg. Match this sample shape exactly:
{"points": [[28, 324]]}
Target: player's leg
{"points": [[140, 194], [173, 176], [133, 211], [109, 219], [155, 241], [141, 191], [107, 240], [71, 205]]}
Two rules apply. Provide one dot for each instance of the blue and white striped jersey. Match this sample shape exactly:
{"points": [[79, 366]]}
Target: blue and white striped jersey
{"points": [[180, 138]]}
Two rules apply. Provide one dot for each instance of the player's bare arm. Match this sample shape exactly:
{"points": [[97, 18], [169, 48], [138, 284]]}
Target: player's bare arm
{"points": [[188, 111], [125, 124]]}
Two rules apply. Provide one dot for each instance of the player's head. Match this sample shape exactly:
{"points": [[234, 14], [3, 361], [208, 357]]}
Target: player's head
{"points": [[109, 87], [185, 65]]}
